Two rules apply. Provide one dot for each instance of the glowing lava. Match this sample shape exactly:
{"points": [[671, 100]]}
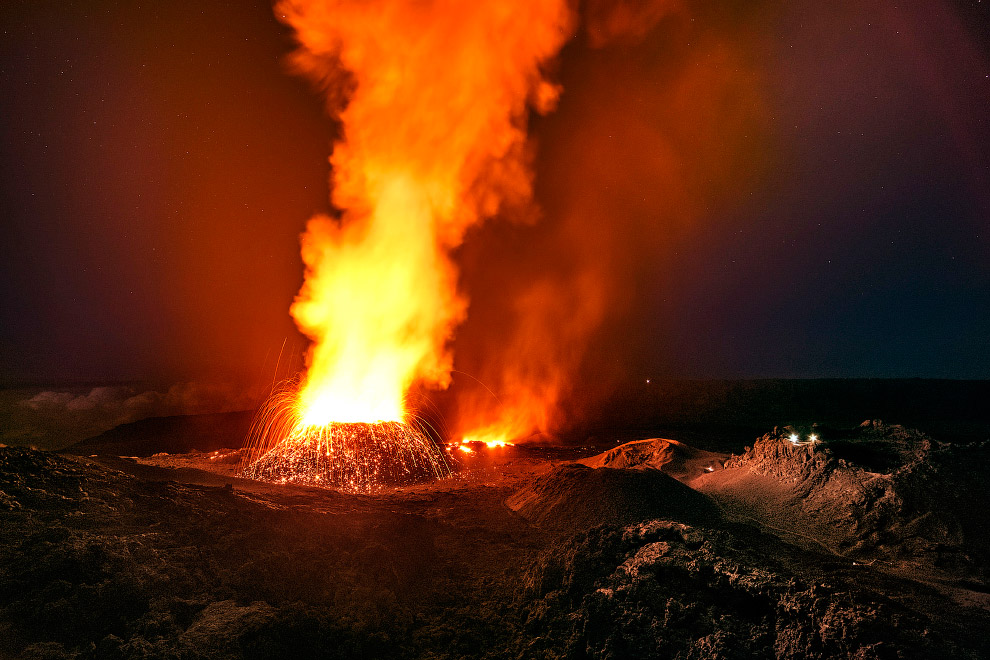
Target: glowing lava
{"points": [[357, 457], [433, 99], [353, 457], [495, 439]]}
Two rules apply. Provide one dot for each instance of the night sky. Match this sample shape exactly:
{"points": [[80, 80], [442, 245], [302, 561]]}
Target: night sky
{"points": [[772, 189]]}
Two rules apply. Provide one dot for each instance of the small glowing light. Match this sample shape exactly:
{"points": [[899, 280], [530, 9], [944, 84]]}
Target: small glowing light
{"points": [[794, 439], [647, 381], [709, 469], [465, 449], [812, 438]]}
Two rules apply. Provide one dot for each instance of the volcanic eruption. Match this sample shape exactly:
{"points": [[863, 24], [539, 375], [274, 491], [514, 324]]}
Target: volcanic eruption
{"points": [[432, 100]]}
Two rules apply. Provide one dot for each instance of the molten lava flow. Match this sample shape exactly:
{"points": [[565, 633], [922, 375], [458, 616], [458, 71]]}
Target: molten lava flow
{"points": [[496, 440], [436, 96]]}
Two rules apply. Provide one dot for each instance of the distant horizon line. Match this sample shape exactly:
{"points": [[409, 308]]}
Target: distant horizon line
{"points": [[156, 383]]}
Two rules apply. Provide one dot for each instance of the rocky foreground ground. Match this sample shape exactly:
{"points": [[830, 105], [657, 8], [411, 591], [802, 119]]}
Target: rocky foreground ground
{"points": [[869, 544]]}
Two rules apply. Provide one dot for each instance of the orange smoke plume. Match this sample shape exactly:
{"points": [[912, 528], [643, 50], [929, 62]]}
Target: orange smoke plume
{"points": [[533, 366], [432, 97], [645, 143]]}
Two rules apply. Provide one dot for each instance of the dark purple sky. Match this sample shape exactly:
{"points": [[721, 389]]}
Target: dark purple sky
{"points": [[782, 189]]}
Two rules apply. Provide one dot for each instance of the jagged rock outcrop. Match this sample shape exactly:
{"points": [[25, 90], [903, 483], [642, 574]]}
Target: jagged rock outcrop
{"points": [[877, 491], [662, 589]]}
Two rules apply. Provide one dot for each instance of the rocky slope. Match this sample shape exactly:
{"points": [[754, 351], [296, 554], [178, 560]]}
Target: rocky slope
{"points": [[573, 498], [787, 551], [95, 563], [659, 589], [876, 492]]}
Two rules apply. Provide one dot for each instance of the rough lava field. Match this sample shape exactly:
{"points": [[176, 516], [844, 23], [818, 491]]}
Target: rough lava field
{"points": [[871, 542]]}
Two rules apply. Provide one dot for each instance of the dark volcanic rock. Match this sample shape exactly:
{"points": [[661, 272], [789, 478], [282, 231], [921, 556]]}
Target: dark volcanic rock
{"points": [[90, 554], [95, 563], [98, 564], [661, 589], [574, 497]]}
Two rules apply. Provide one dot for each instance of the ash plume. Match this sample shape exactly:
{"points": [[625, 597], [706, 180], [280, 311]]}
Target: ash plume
{"points": [[644, 143]]}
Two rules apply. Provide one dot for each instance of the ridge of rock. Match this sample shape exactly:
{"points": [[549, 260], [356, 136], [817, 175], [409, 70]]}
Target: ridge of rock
{"points": [[574, 497]]}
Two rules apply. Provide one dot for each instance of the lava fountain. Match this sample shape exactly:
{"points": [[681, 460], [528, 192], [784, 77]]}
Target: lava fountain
{"points": [[351, 456], [432, 97]]}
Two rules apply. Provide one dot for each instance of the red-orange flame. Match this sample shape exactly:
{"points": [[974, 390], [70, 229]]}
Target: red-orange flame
{"points": [[436, 96]]}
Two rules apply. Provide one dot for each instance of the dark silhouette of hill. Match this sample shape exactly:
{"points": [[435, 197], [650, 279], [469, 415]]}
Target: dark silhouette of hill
{"points": [[575, 497], [173, 435], [725, 415], [712, 415]]}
